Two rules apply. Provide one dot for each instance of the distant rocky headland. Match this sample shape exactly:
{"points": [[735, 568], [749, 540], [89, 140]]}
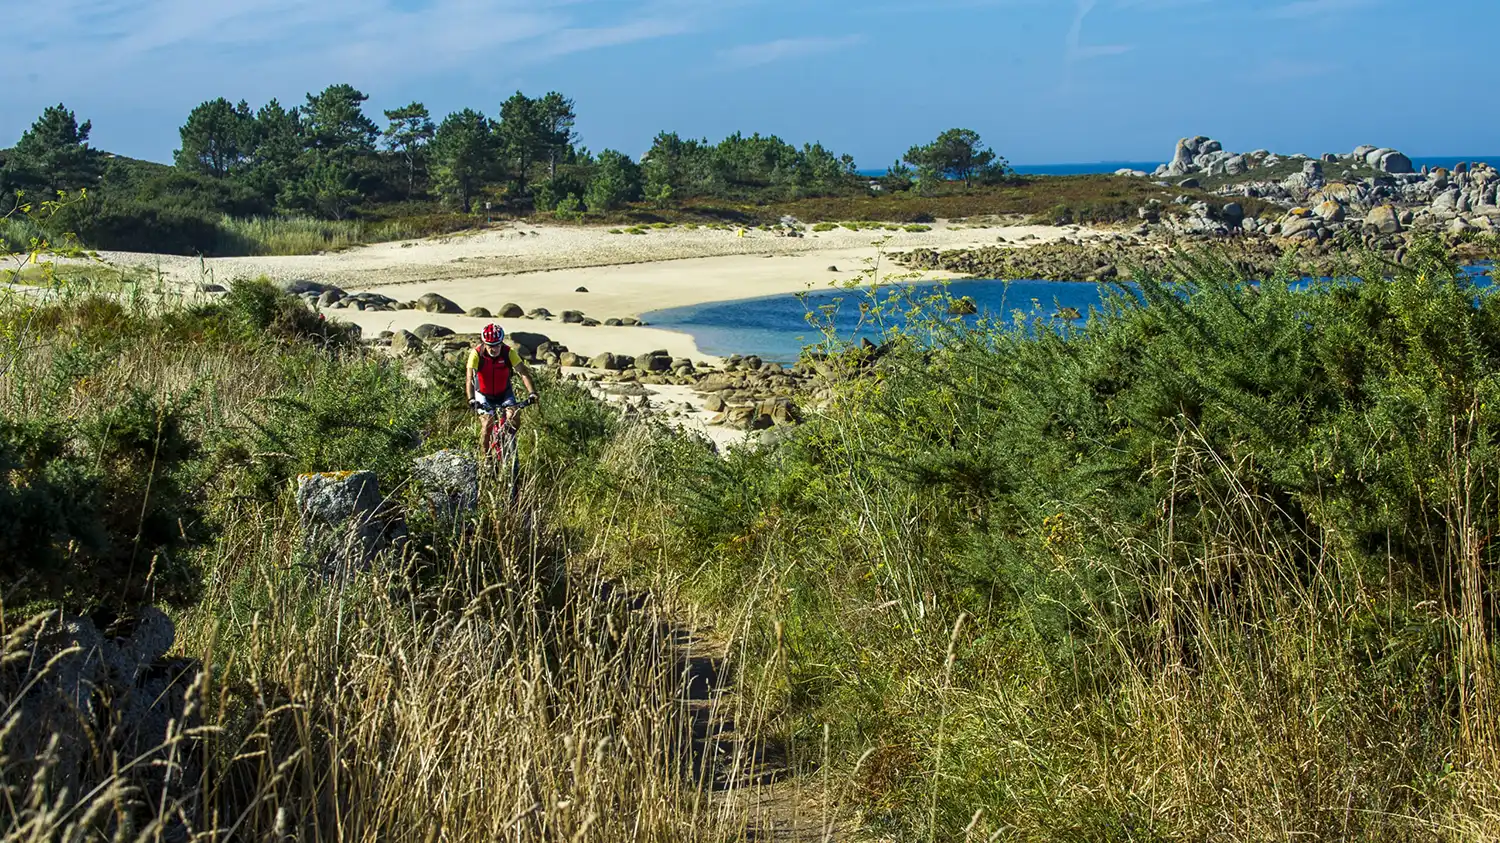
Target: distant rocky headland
{"points": [[1325, 208]]}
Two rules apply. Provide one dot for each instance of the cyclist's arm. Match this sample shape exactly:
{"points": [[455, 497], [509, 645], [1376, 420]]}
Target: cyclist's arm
{"points": [[469, 379], [522, 370]]}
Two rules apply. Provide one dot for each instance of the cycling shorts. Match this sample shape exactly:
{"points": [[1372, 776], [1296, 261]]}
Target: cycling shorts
{"points": [[490, 403]]}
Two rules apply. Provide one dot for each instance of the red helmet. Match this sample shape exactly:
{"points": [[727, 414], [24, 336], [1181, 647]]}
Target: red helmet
{"points": [[492, 334]]}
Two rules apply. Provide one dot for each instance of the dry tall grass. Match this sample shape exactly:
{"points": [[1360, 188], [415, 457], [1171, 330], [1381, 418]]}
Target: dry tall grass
{"points": [[302, 236], [485, 684], [355, 711]]}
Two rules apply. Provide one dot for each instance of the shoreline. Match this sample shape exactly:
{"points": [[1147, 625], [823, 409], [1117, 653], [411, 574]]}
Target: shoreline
{"points": [[544, 266]]}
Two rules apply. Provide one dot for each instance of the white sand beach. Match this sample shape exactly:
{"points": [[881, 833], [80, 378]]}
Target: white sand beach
{"points": [[541, 266]]}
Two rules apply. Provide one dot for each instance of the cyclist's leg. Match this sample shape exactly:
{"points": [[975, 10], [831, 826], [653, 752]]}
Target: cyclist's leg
{"points": [[509, 402], [486, 411]]}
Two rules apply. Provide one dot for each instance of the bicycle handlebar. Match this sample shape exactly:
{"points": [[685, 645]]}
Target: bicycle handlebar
{"points": [[493, 409]]}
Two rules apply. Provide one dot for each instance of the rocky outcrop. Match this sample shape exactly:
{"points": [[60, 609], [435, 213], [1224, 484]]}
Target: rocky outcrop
{"points": [[82, 694], [448, 481], [1341, 190], [345, 521]]}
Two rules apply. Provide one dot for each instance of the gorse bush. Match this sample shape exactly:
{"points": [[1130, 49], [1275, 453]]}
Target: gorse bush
{"points": [[1223, 546], [101, 508]]}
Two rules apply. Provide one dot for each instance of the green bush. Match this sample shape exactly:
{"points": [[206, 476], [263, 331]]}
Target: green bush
{"points": [[1160, 532], [258, 308], [825, 226], [101, 512]]}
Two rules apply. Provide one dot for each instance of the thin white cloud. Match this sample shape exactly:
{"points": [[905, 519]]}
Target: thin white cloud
{"points": [[191, 41], [755, 55], [1076, 50]]}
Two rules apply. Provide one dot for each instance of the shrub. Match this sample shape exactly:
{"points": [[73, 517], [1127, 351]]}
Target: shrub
{"points": [[825, 226], [569, 208], [99, 513], [258, 309]]}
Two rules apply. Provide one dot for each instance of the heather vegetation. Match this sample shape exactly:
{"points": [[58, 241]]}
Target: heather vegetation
{"points": [[1214, 566]]}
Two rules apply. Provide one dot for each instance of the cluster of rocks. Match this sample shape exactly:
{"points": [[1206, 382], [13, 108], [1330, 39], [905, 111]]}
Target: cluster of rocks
{"points": [[1373, 190], [747, 393], [329, 297], [1202, 156], [346, 523]]}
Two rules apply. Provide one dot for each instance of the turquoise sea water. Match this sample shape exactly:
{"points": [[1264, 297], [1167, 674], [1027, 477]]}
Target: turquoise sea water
{"points": [[776, 328]]}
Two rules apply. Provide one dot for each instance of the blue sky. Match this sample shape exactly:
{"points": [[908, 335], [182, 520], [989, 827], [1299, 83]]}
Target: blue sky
{"points": [[1043, 81]]}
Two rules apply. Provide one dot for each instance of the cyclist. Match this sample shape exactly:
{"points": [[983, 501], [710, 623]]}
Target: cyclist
{"points": [[488, 380]]}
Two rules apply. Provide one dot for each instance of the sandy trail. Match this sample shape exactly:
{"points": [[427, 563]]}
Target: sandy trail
{"points": [[625, 275]]}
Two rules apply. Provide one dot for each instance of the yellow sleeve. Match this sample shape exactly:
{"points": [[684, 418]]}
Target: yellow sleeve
{"points": [[515, 359], [473, 358]]}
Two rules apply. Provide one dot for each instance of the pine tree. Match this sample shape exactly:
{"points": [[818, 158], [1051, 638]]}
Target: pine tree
{"points": [[463, 155], [410, 132], [217, 139], [53, 155]]}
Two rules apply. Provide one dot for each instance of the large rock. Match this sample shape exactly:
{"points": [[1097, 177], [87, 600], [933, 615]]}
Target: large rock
{"points": [[1446, 203], [479, 313], [607, 362], [511, 310], [302, 286], [653, 362], [780, 411], [572, 317], [1384, 219], [742, 418], [448, 482], [434, 303], [429, 331], [406, 342], [527, 342], [1301, 228], [1330, 211], [1395, 163], [330, 296], [344, 522], [80, 696]]}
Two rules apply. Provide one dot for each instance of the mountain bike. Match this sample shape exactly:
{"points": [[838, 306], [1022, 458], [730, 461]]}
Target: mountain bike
{"points": [[501, 447]]}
